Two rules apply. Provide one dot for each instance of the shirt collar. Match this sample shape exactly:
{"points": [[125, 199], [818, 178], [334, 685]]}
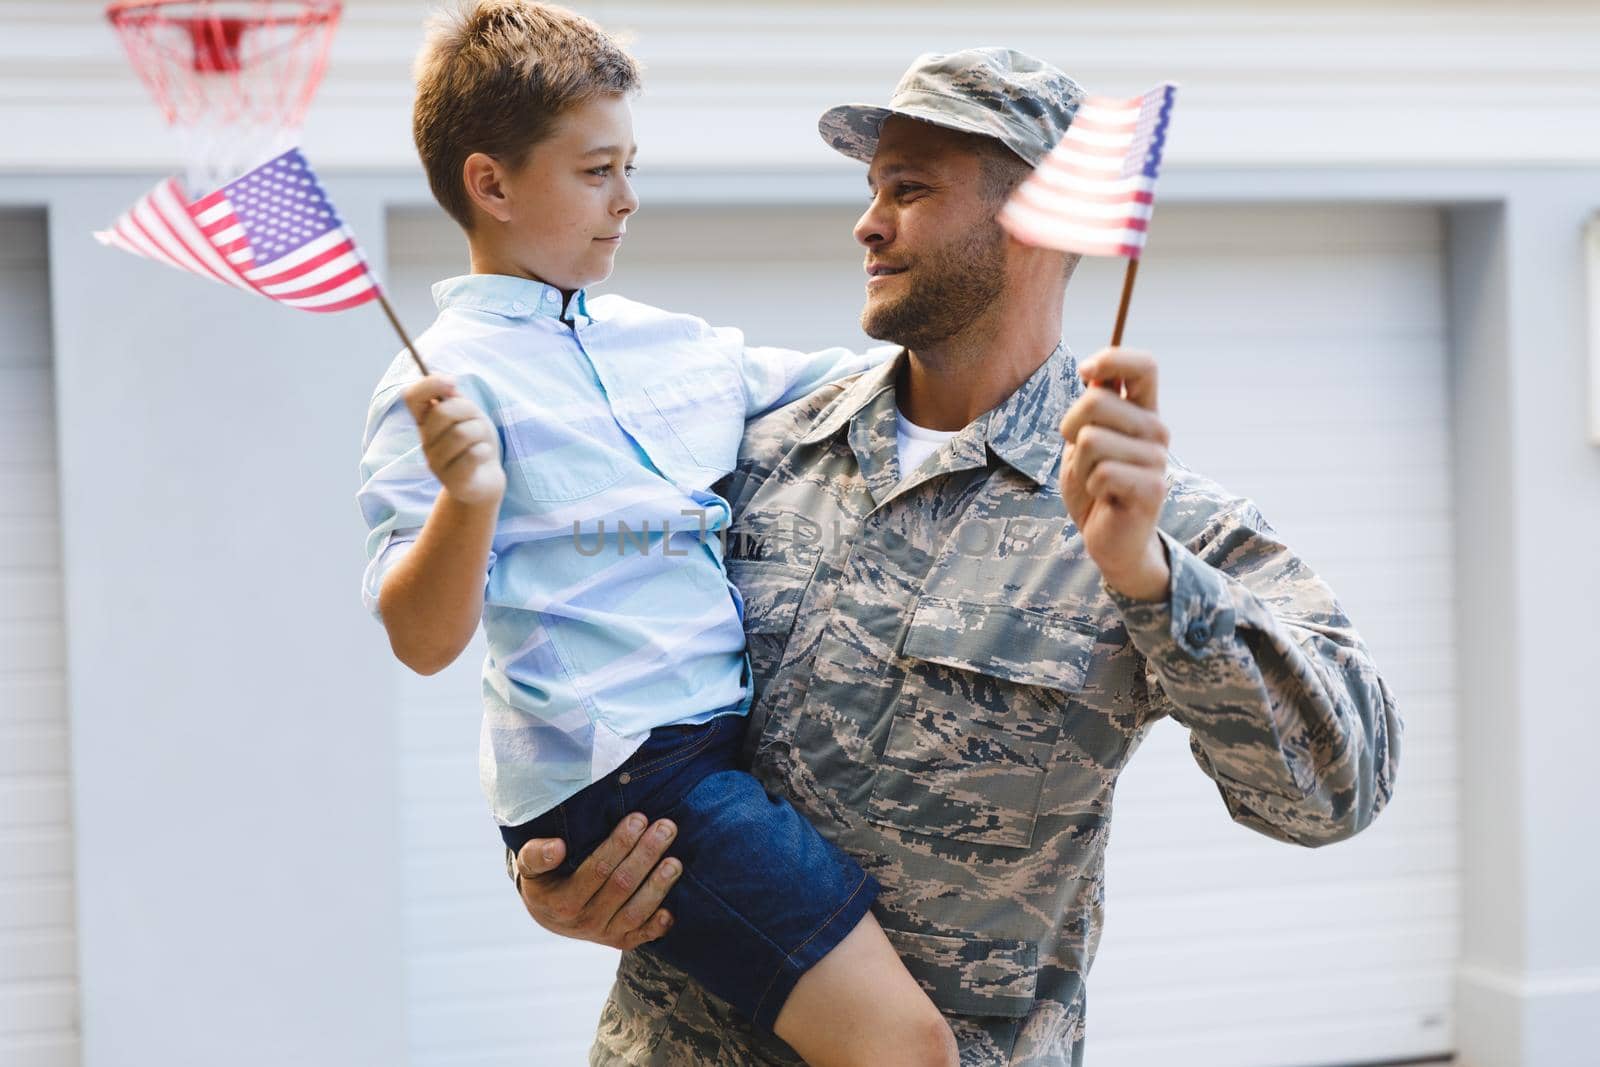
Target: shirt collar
{"points": [[1023, 429], [503, 294]]}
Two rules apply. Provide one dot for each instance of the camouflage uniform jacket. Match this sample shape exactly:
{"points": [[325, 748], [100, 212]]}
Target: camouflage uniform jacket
{"points": [[947, 689]]}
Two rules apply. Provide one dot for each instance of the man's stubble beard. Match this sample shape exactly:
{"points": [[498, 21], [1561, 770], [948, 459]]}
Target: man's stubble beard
{"points": [[953, 286]]}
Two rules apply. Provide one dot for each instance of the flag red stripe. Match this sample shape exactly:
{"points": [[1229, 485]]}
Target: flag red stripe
{"points": [[1132, 251], [1094, 174], [1062, 209], [131, 234], [1085, 123], [194, 267], [207, 202], [1108, 152], [178, 218], [188, 246], [311, 264], [342, 278], [349, 302], [1136, 196], [1054, 178]]}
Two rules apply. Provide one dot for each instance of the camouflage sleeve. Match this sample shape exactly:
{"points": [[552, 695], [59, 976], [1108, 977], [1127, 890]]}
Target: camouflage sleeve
{"points": [[1286, 710]]}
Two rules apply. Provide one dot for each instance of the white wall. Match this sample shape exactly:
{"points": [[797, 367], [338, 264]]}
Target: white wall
{"points": [[233, 751]]}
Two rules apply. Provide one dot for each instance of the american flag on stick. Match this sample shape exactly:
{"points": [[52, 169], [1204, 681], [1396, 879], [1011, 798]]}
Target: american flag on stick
{"points": [[271, 231], [1094, 192]]}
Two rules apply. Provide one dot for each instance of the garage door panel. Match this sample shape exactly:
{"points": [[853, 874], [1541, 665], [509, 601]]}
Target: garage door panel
{"points": [[38, 978], [1327, 404], [1266, 1002], [1224, 303], [1386, 1037], [32, 696], [37, 748], [1332, 229], [33, 597], [33, 852], [21, 386], [1387, 903]]}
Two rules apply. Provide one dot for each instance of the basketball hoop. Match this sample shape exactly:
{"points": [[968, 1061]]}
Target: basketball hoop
{"points": [[232, 77]]}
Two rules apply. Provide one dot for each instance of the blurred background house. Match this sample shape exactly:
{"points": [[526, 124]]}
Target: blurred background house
{"points": [[233, 830]]}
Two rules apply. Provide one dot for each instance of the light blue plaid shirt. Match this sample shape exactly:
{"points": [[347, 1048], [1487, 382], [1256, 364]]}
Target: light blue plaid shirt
{"points": [[606, 605]]}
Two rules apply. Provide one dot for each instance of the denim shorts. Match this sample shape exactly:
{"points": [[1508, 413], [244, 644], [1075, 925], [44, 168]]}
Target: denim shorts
{"points": [[762, 896]]}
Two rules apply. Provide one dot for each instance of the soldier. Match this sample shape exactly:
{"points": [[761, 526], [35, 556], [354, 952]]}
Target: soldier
{"points": [[973, 578]]}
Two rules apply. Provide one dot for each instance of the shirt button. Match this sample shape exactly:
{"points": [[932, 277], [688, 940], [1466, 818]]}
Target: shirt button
{"points": [[549, 297], [1198, 633], [624, 778]]}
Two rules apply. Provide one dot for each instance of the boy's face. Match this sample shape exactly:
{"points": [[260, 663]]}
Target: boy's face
{"points": [[560, 217]]}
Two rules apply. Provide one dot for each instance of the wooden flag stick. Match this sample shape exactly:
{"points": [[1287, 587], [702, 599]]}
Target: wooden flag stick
{"points": [[1127, 294], [395, 322], [1122, 316]]}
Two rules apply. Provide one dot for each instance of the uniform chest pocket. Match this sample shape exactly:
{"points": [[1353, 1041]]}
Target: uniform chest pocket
{"points": [[975, 728], [704, 413]]}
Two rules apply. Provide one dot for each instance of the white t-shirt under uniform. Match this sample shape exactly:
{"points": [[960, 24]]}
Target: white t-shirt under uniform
{"points": [[916, 443]]}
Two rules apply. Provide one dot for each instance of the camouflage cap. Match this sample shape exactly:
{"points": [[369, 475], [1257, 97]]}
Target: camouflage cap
{"points": [[1022, 102]]}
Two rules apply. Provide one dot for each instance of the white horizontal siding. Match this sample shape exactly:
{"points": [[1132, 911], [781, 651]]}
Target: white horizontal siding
{"points": [[740, 85], [38, 947]]}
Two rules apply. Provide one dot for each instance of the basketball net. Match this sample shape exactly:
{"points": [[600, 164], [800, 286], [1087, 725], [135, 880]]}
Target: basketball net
{"points": [[233, 78]]}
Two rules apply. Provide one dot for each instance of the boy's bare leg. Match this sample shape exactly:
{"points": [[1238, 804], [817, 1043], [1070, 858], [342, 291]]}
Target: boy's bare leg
{"points": [[858, 1006]]}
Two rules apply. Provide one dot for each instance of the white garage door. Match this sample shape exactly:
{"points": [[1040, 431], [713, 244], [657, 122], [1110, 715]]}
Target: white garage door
{"points": [[1303, 365], [38, 948]]}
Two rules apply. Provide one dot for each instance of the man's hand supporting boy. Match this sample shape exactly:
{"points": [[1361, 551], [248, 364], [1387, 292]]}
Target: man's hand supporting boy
{"points": [[432, 599]]}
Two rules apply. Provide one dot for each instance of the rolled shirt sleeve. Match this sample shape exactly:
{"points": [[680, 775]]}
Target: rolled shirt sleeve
{"points": [[1286, 710], [398, 489]]}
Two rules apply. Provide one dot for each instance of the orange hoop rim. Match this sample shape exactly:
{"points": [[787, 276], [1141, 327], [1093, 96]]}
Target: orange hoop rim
{"points": [[310, 9]]}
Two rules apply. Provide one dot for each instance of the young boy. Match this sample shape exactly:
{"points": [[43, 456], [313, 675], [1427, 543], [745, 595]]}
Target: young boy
{"points": [[553, 478]]}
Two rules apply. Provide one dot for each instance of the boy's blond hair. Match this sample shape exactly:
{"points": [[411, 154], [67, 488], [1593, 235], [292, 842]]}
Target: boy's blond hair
{"points": [[493, 76]]}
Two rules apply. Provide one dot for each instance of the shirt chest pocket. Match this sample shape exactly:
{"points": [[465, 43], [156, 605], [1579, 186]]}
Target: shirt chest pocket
{"points": [[702, 414], [977, 726]]}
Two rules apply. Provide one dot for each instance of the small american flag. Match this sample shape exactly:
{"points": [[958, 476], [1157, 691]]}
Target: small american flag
{"points": [[1093, 193], [272, 231]]}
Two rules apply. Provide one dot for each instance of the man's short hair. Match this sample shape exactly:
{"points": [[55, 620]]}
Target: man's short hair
{"points": [[494, 76], [1002, 170]]}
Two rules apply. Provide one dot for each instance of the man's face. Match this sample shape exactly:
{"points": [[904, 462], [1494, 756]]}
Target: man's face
{"points": [[935, 255]]}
